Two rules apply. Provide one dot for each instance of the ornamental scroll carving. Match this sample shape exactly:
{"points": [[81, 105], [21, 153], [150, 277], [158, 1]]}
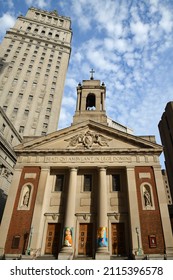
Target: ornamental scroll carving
{"points": [[88, 140]]}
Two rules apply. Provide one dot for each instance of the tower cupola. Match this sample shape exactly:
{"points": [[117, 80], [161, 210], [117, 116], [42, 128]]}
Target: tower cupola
{"points": [[90, 103]]}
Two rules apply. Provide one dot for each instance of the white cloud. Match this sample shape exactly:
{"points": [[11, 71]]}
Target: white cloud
{"points": [[10, 4], [140, 31], [65, 118], [70, 82], [39, 3], [121, 45], [126, 46], [166, 22], [6, 21]]}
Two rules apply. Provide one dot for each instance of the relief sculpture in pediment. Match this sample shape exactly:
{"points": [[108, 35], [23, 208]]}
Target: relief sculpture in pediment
{"points": [[88, 139]]}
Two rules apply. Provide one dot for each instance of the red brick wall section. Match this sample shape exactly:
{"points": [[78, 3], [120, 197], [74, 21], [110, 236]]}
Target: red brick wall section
{"points": [[21, 219], [150, 220]]}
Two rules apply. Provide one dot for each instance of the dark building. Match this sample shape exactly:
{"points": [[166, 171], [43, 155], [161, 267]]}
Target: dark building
{"points": [[166, 134]]}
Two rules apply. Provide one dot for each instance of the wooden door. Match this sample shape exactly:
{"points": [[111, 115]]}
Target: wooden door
{"points": [[118, 239], [85, 239], [52, 239]]}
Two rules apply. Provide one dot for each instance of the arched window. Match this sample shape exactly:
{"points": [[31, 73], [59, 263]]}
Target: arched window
{"points": [[91, 102]]}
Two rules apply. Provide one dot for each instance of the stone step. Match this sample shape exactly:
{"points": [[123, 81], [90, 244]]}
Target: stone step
{"points": [[46, 257], [83, 257], [119, 258]]}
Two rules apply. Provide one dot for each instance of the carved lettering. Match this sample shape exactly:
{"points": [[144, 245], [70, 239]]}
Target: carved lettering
{"points": [[87, 159]]}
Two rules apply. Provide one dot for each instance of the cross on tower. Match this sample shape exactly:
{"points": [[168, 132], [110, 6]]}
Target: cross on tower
{"points": [[92, 72]]}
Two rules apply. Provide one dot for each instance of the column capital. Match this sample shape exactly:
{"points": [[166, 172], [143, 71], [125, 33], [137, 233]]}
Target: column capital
{"points": [[102, 168], [157, 168], [73, 168], [45, 168], [130, 167]]}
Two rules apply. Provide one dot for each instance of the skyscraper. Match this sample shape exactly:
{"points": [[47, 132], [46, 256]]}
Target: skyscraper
{"points": [[34, 57]]}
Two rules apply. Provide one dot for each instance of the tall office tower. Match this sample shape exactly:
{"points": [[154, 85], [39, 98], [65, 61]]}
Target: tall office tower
{"points": [[166, 134], [34, 58]]}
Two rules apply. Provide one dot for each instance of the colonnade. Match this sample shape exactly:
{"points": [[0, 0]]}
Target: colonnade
{"points": [[102, 218]]}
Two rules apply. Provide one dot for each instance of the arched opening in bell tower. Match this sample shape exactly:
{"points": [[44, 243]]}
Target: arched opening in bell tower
{"points": [[91, 102]]}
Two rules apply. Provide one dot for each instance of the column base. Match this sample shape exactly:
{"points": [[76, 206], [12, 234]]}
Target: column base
{"points": [[2, 252], [102, 254], [169, 253], [66, 253]]}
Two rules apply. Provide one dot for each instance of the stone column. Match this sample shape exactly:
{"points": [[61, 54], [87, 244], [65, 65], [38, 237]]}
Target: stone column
{"points": [[134, 214], [102, 230], [103, 101], [39, 210], [78, 100], [69, 221], [166, 224]]}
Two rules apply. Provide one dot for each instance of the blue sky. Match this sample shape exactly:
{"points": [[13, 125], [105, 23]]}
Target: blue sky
{"points": [[129, 44]]}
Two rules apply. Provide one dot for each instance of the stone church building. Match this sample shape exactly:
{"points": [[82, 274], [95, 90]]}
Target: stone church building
{"points": [[88, 191]]}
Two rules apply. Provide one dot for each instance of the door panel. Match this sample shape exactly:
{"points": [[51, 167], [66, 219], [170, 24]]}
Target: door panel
{"points": [[52, 239], [85, 239], [118, 239]]}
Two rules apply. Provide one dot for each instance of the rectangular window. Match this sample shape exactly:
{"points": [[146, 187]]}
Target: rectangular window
{"points": [[34, 84], [9, 68], [87, 183], [116, 182], [14, 81], [20, 95], [11, 138], [59, 182], [15, 242], [26, 112], [5, 108], [15, 110], [21, 129], [24, 84], [45, 125], [3, 127], [30, 97], [43, 133]]}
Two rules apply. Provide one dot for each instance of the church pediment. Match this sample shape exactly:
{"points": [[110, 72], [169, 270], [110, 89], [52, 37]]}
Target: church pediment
{"points": [[88, 136]]}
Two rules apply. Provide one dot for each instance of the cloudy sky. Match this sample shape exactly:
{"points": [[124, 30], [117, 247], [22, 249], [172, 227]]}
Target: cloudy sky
{"points": [[129, 44]]}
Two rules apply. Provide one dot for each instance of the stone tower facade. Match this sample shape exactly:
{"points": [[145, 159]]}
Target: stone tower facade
{"points": [[34, 57]]}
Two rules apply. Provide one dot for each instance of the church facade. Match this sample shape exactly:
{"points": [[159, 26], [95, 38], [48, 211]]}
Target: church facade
{"points": [[88, 191]]}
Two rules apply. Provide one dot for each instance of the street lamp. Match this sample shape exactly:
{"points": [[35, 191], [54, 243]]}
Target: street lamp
{"points": [[29, 241], [139, 252]]}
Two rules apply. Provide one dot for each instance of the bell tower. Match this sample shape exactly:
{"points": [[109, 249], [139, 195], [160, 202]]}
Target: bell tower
{"points": [[90, 103]]}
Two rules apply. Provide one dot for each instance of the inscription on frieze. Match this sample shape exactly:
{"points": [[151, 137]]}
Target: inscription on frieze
{"points": [[87, 159]]}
